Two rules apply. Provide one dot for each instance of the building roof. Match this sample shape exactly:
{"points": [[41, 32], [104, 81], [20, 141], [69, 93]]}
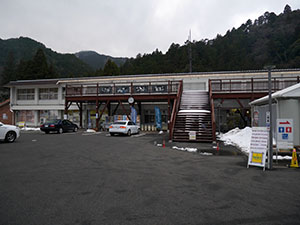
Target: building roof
{"points": [[289, 92], [31, 82], [7, 101], [216, 74]]}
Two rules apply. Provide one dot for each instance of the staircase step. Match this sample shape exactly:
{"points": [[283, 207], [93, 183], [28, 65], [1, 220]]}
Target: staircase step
{"points": [[199, 121]]}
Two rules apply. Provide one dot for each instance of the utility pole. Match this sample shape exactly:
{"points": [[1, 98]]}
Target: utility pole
{"points": [[190, 50], [270, 152]]}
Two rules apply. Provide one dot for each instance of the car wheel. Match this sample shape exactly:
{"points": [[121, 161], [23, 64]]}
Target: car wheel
{"points": [[10, 137], [129, 132], [60, 131], [75, 129], [112, 134]]}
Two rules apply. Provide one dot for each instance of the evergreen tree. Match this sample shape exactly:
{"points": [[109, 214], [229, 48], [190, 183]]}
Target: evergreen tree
{"points": [[111, 68], [9, 71], [40, 65], [287, 9], [37, 68]]}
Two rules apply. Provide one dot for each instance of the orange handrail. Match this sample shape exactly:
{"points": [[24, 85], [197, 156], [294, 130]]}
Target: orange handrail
{"points": [[212, 108], [175, 109]]}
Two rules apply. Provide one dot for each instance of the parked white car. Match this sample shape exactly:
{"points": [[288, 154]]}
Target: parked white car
{"points": [[123, 127], [9, 133]]}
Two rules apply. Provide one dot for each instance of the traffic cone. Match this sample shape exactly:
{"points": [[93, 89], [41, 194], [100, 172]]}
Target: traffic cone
{"points": [[218, 146], [294, 162], [164, 143]]}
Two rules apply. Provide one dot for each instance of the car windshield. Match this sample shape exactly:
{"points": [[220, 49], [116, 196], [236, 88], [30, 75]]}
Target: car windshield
{"points": [[53, 121], [120, 123]]}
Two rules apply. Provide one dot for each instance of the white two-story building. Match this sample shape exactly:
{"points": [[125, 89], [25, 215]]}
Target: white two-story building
{"points": [[34, 101]]}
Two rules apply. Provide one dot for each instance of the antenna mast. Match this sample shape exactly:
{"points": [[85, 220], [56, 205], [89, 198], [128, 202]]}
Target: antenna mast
{"points": [[190, 50]]}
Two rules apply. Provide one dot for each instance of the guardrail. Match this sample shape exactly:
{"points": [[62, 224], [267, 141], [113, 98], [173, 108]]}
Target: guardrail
{"points": [[212, 108], [132, 88], [251, 84], [175, 110]]}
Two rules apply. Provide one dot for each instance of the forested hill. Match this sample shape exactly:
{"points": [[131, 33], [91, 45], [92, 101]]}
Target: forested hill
{"points": [[96, 60], [270, 39], [24, 49]]}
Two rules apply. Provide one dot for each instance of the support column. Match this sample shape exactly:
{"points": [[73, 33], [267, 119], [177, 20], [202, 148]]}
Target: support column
{"points": [[124, 110], [139, 104], [97, 115], [80, 115], [66, 110], [109, 109], [169, 113]]}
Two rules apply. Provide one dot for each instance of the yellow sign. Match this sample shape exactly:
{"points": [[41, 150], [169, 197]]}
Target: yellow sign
{"points": [[258, 147], [21, 124], [257, 158], [294, 162]]}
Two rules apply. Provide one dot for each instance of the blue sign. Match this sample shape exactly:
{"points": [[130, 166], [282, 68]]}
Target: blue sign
{"points": [[281, 129], [285, 136], [158, 118], [133, 115]]}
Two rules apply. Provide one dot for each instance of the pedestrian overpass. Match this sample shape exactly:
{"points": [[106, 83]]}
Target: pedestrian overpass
{"points": [[188, 109]]}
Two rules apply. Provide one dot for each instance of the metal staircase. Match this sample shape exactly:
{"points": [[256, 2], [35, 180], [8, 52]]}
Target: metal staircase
{"points": [[194, 114]]}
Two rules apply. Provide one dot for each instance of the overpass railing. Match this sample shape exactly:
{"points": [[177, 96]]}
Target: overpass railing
{"points": [[251, 84], [175, 110], [132, 88]]}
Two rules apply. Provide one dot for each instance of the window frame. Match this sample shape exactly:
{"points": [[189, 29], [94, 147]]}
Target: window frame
{"points": [[25, 94], [48, 94]]}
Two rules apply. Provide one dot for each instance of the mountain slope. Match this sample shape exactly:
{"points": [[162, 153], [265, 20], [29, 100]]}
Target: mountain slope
{"points": [[271, 39], [96, 60], [67, 65]]}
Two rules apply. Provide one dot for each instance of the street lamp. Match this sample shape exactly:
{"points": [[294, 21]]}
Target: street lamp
{"points": [[270, 153]]}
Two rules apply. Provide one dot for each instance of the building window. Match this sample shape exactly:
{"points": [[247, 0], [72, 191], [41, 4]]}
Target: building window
{"points": [[48, 93], [46, 115], [63, 93], [25, 94], [26, 116]]}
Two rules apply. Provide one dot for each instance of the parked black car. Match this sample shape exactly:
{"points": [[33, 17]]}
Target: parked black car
{"points": [[58, 126]]}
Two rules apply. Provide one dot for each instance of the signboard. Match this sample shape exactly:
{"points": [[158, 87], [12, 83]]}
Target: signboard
{"points": [[4, 116], [192, 135], [258, 147], [285, 134], [133, 115], [158, 118]]}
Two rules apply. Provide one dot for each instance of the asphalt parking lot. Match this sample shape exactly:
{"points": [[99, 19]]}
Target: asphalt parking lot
{"points": [[87, 179]]}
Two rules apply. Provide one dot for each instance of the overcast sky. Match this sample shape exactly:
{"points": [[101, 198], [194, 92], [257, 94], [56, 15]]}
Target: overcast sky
{"points": [[127, 27]]}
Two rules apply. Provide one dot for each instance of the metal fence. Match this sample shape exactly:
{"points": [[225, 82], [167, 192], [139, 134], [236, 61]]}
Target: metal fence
{"points": [[251, 84], [169, 87]]}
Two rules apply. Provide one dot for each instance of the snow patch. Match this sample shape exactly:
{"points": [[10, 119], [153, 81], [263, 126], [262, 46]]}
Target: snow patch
{"points": [[90, 131], [241, 138], [205, 153], [238, 137], [280, 157], [30, 129], [185, 149]]}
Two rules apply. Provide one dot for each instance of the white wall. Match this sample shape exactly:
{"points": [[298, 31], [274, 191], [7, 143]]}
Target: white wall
{"points": [[290, 109]]}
